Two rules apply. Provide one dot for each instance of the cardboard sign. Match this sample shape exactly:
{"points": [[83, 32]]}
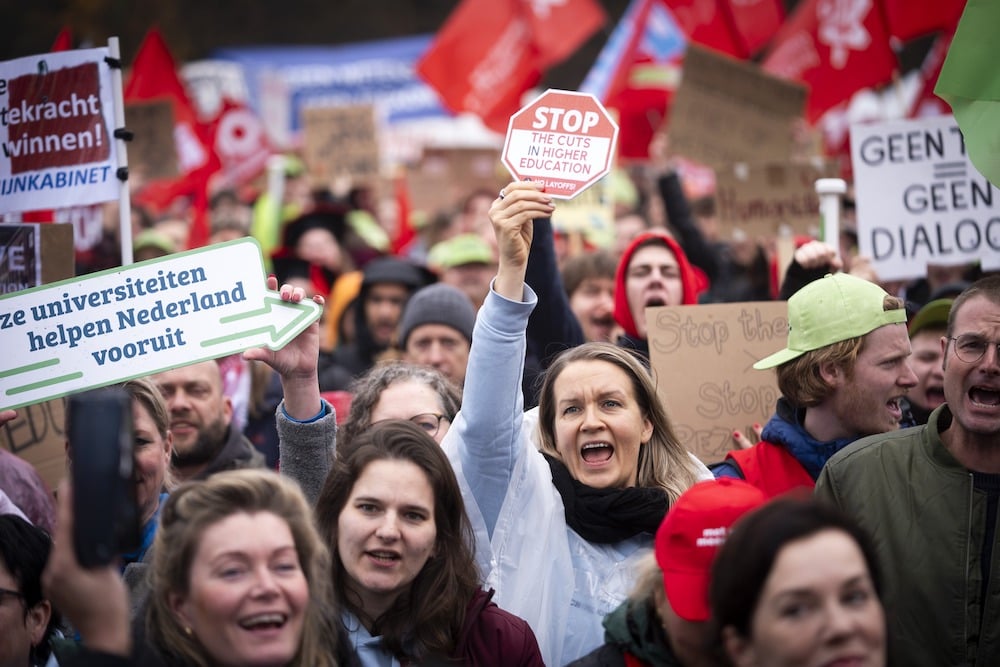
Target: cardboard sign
{"points": [[760, 199], [565, 140], [38, 436], [341, 140], [703, 360], [728, 111], [444, 176], [920, 200], [142, 319], [37, 433], [56, 124], [152, 152], [20, 257]]}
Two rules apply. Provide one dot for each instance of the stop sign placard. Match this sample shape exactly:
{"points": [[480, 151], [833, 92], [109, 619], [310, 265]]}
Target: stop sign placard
{"points": [[562, 139]]}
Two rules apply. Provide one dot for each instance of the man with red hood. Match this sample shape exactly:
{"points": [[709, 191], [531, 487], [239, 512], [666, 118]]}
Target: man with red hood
{"points": [[653, 271]]}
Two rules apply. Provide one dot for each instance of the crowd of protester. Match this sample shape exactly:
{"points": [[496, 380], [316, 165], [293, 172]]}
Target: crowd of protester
{"points": [[466, 461]]}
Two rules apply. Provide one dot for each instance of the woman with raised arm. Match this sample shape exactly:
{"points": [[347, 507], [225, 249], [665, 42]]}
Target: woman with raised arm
{"points": [[566, 524]]}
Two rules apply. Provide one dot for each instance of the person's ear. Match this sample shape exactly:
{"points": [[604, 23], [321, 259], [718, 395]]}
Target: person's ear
{"points": [[738, 648], [832, 374], [179, 608], [37, 621]]}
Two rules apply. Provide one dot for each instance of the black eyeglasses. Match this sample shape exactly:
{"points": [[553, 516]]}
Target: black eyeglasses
{"points": [[970, 348], [429, 421], [6, 592]]}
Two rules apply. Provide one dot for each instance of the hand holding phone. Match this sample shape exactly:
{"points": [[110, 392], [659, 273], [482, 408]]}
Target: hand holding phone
{"points": [[106, 521]]}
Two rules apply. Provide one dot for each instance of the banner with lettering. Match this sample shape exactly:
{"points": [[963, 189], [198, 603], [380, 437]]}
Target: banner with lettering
{"points": [[920, 200], [56, 124]]}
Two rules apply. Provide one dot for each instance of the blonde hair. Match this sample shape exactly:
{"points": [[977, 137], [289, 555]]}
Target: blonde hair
{"points": [[193, 509], [145, 392], [663, 461]]}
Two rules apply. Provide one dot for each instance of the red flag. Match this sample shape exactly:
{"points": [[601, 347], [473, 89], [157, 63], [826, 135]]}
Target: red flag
{"points": [[637, 72], [64, 40], [558, 28], [707, 23], [404, 229], [154, 76], [490, 52], [755, 22], [239, 141], [908, 19], [836, 47]]}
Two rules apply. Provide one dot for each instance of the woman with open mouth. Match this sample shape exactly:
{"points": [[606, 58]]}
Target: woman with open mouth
{"points": [[567, 521]]}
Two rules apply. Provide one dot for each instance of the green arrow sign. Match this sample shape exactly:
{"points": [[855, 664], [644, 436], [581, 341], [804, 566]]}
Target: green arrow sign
{"points": [[133, 321]]}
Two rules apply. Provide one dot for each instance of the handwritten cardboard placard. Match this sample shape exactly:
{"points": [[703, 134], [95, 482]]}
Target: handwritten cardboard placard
{"points": [[920, 200], [702, 359], [152, 152], [760, 199], [727, 111], [341, 141]]}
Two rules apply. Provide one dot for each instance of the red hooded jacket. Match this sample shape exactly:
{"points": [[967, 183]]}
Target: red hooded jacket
{"points": [[693, 280]]}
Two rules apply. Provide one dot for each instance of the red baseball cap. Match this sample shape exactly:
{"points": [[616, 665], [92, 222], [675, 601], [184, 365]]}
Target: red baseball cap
{"points": [[691, 534]]}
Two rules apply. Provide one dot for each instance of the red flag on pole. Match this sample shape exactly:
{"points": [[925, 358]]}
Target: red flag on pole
{"points": [[490, 52], [637, 72], [837, 47], [154, 76]]}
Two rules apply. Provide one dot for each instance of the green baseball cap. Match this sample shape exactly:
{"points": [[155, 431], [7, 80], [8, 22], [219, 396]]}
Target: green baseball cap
{"points": [[834, 308], [933, 314], [459, 250]]}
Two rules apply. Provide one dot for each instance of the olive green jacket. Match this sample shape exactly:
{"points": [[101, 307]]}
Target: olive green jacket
{"points": [[927, 522]]}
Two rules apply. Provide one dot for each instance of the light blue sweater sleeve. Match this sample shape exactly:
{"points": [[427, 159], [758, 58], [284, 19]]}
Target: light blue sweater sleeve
{"points": [[488, 427]]}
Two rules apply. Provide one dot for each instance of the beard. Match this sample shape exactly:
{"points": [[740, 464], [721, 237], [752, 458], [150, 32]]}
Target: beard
{"points": [[211, 439]]}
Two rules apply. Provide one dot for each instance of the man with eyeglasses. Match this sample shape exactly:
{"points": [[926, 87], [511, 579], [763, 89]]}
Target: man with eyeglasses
{"points": [[843, 375], [929, 496]]}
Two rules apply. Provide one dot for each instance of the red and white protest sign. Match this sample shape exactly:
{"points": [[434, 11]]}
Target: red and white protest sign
{"points": [[56, 123], [564, 140]]}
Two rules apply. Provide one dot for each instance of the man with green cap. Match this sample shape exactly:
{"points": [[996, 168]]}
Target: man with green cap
{"points": [[842, 376]]}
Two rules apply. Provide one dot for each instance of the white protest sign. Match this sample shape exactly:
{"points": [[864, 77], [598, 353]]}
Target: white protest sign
{"points": [[919, 199], [562, 139], [56, 125], [129, 322]]}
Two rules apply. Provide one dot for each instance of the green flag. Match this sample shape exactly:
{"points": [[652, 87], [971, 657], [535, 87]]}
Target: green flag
{"points": [[970, 83]]}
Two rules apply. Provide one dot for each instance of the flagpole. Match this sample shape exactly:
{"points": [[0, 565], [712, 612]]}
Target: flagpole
{"points": [[124, 202]]}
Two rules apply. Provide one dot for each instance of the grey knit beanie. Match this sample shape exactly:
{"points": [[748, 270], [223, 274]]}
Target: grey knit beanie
{"points": [[438, 304]]}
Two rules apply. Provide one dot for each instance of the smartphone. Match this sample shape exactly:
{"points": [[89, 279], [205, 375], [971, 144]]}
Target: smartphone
{"points": [[105, 516]]}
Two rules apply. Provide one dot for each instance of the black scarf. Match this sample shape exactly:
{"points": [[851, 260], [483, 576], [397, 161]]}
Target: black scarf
{"points": [[606, 516]]}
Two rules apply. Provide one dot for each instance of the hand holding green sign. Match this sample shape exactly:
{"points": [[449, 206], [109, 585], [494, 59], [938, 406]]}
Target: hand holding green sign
{"points": [[133, 321]]}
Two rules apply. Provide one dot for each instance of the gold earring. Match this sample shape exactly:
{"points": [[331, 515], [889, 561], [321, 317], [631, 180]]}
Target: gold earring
{"points": [[188, 631]]}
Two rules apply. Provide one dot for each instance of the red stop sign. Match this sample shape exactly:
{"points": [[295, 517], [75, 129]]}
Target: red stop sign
{"points": [[563, 139]]}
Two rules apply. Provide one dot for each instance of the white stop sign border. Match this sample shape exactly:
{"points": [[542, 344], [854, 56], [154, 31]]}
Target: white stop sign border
{"points": [[567, 160]]}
